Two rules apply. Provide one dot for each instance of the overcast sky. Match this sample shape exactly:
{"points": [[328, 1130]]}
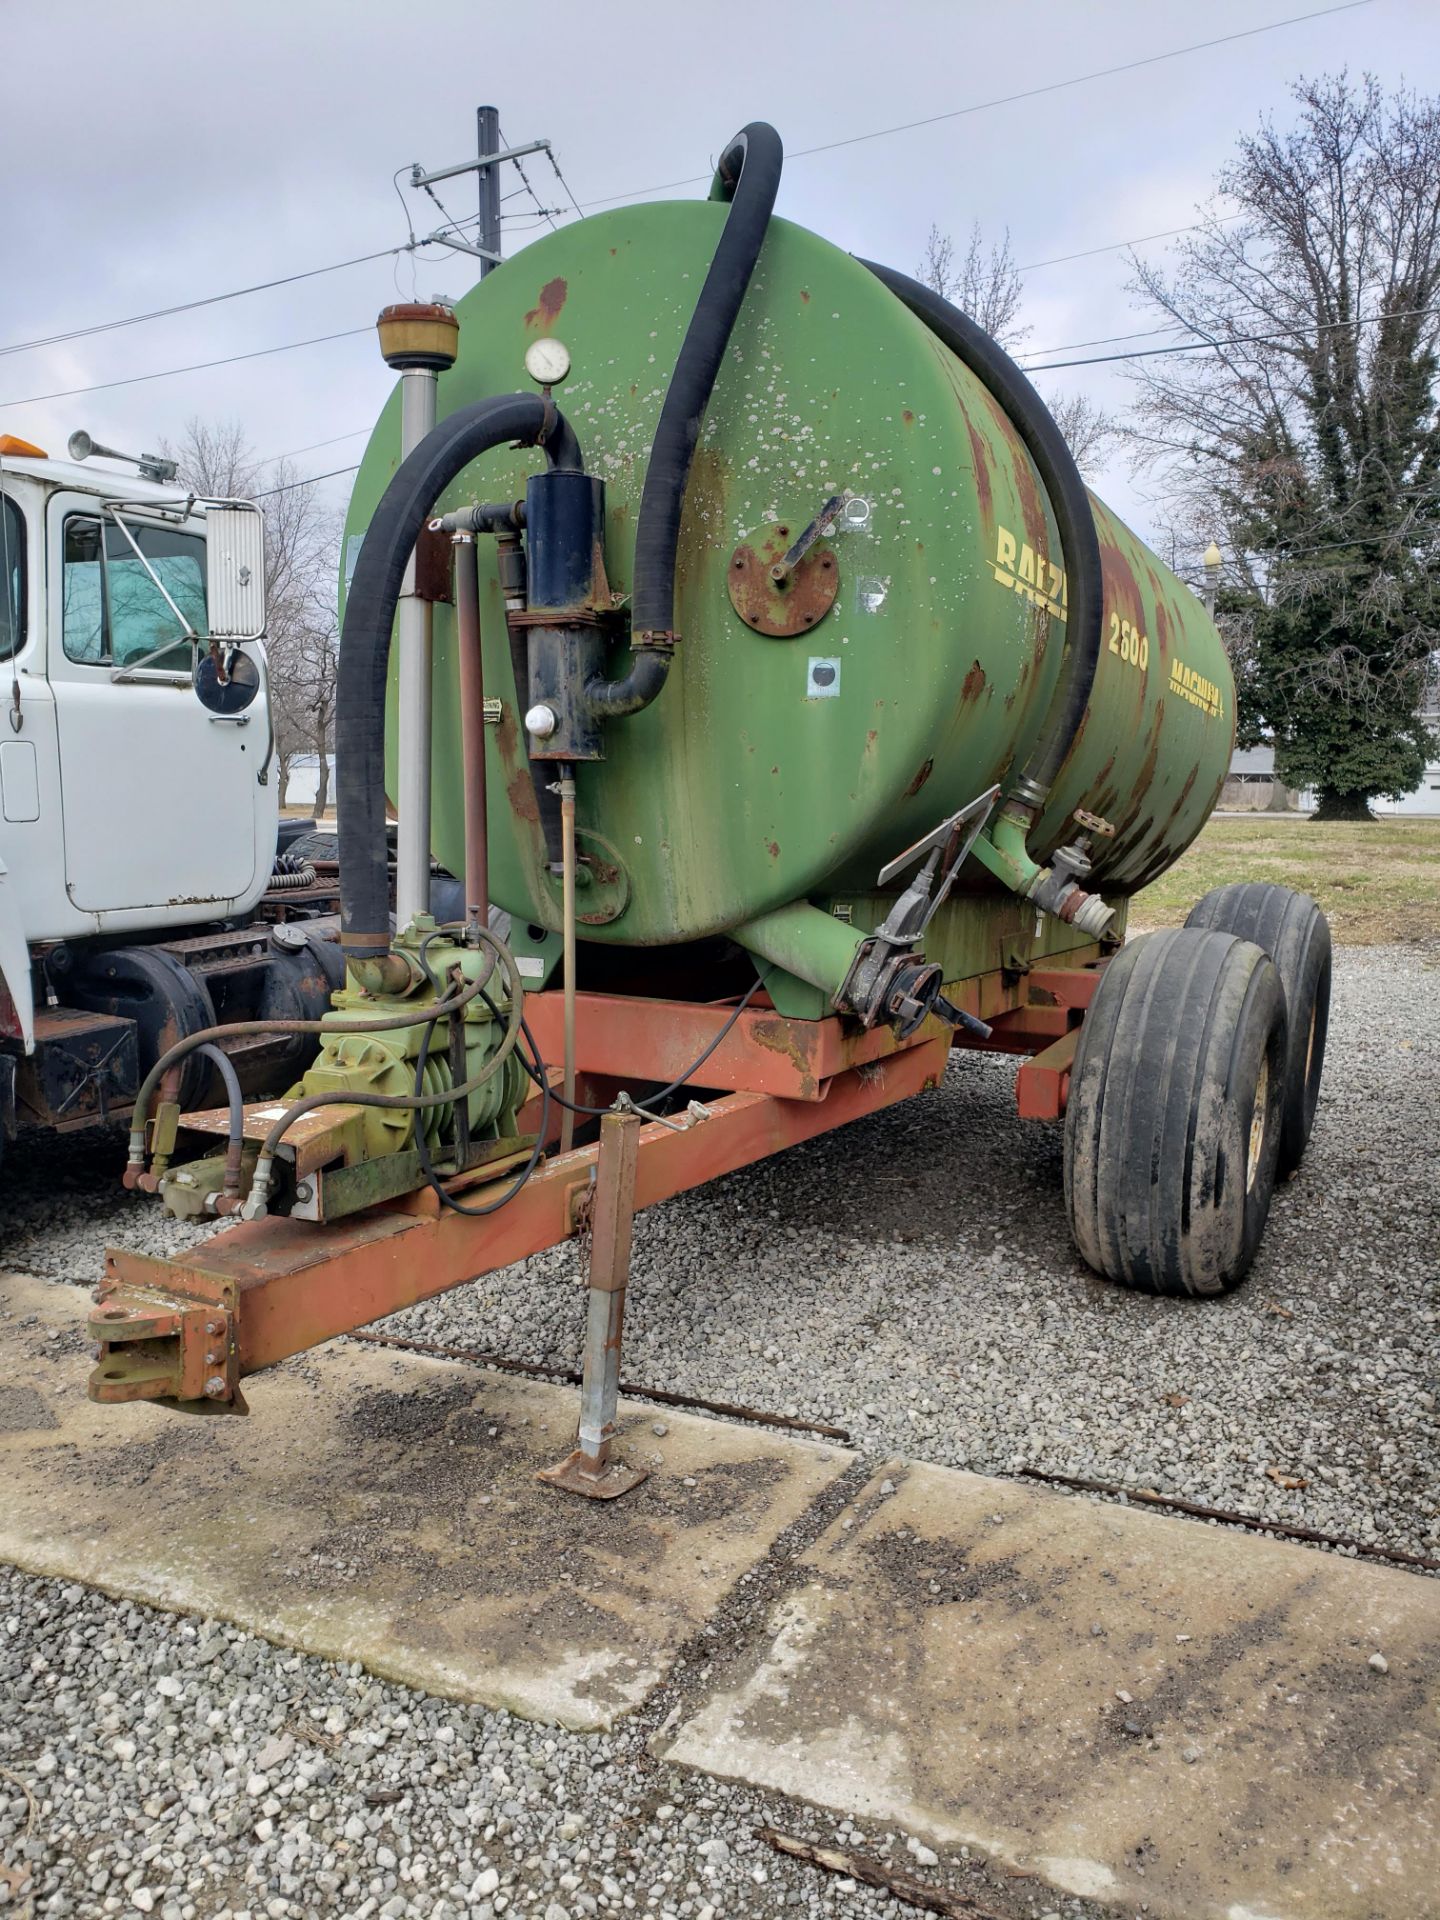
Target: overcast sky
{"points": [[157, 152]]}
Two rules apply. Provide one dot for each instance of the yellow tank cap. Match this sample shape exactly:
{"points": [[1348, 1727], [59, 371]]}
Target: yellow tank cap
{"points": [[419, 335], [22, 449]]}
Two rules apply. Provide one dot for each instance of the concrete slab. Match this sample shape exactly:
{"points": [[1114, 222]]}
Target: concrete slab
{"points": [[940, 1668], [382, 1507]]}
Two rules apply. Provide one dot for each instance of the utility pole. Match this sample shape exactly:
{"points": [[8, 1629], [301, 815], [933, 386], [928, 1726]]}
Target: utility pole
{"points": [[487, 143], [490, 157]]}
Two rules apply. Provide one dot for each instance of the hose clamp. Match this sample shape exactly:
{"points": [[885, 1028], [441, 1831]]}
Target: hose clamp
{"points": [[660, 639]]}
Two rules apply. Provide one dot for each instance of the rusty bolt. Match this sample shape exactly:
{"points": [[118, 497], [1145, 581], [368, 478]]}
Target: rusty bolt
{"points": [[212, 1359], [214, 1389], [212, 1326]]}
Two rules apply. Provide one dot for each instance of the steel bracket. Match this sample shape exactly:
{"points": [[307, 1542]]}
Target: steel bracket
{"points": [[154, 1344]]}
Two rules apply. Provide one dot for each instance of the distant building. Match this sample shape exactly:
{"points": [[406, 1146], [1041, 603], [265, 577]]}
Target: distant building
{"points": [[1426, 797], [1251, 786]]}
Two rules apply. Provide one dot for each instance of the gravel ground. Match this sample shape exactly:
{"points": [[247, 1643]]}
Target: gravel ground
{"points": [[910, 1279]]}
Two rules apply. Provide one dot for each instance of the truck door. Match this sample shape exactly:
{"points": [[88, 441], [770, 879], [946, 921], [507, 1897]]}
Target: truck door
{"points": [[159, 795]]}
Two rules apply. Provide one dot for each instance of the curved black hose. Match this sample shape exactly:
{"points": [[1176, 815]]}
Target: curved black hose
{"points": [[1060, 477], [749, 177], [365, 637]]}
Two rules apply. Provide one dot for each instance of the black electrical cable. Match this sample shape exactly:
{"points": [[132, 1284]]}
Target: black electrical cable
{"points": [[537, 1072]]}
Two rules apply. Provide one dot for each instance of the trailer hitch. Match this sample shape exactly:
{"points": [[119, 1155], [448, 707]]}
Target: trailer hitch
{"points": [[158, 1343]]}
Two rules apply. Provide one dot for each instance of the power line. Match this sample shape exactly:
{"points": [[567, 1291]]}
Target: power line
{"points": [[189, 306], [1145, 333], [564, 182], [310, 480], [1115, 246], [313, 445], [199, 366], [1239, 340], [1008, 99], [525, 181]]}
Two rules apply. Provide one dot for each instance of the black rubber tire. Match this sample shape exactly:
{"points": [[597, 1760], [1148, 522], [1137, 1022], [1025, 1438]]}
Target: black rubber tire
{"points": [[291, 830], [1294, 932], [1167, 1183], [313, 843], [164, 998]]}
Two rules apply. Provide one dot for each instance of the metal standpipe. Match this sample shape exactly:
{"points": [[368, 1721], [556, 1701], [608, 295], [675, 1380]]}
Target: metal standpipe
{"points": [[420, 342]]}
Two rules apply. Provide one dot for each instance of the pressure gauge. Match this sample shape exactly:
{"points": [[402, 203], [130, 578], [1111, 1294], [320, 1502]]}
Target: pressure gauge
{"points": [[547, 362]]}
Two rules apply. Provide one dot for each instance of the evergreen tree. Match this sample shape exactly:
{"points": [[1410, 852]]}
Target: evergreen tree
{"points": [[1308, 437]]}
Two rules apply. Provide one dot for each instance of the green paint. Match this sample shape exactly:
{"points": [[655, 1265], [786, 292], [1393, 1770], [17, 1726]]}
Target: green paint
{"points": [[740, 793]]}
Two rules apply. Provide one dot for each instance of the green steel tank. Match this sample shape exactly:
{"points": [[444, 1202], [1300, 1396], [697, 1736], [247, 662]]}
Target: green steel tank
{"points": [[875, 625]]}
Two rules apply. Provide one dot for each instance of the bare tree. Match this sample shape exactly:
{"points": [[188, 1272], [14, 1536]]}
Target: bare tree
{"points": [[1306, 438], [301, 558], [986, 285], [1089, 431]]}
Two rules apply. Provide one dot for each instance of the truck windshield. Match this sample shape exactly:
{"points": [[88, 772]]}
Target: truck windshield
{"points": [[114, 613], [12, 572]]}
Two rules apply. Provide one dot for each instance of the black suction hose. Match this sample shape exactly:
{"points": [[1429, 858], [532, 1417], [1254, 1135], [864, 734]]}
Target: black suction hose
{"points": [[365, 637], [1069, 501], [748, 177]]}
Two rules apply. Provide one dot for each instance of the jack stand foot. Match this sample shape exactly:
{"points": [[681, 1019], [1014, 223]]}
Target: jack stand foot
{"points": [[577, 1474], [589, 1470]]}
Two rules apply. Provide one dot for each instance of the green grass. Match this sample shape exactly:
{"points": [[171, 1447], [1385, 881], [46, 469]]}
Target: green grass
{"points": [[1377, 883]]}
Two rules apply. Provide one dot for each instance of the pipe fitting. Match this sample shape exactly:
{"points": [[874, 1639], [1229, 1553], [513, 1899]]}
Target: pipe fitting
{"points": [[1054, 889], [392, 974]]}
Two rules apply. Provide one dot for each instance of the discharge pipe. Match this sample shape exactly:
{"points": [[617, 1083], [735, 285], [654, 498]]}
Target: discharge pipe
{"points": [[748, 176], [365, 655]]}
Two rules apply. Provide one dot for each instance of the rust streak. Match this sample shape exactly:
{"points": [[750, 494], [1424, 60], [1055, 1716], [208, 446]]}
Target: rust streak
{"points": [[547, 308]]}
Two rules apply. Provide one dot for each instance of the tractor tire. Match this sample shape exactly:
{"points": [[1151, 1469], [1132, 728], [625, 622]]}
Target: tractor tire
{"points": [[1296, 935], [1172, 1131]]}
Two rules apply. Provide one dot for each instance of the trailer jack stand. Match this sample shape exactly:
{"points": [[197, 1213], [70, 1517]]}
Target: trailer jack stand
{"points": [[589, 1469]]}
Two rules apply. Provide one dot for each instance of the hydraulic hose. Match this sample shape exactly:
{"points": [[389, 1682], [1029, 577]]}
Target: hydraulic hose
{"points": [[748, 177], [174, 1055], [1060, 477], [369, 620], [235, 1146], [417, 1102]]}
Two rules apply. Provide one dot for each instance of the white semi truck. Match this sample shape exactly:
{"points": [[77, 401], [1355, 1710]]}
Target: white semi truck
{"points": [[139, 799]]}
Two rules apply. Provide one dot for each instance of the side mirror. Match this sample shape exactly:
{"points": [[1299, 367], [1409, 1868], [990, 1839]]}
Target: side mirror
{"points": [[226, 681], [235, 572]]}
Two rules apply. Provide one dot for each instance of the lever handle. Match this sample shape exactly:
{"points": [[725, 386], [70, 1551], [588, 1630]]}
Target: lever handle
{"points": [[957, 1017]]}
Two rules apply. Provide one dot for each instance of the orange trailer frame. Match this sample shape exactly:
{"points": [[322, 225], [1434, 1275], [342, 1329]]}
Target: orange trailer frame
{"points": [[190, 1328]]}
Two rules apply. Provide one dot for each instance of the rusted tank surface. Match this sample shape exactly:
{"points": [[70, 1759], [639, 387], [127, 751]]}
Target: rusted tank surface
{"points": [[808, 731]]}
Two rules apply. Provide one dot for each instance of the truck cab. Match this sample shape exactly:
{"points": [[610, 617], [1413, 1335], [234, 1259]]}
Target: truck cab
{"points": [[139, 798]]}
